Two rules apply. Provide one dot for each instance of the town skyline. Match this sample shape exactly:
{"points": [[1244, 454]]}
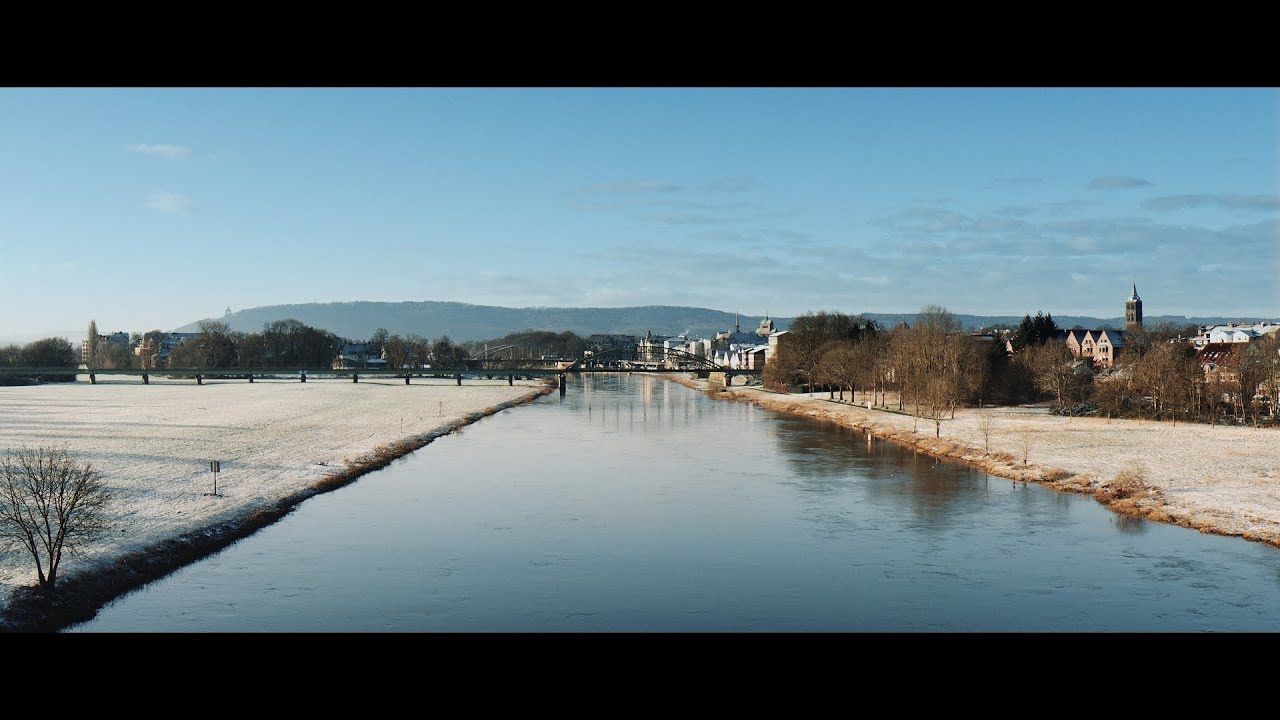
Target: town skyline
{"points": [[176, 203]]}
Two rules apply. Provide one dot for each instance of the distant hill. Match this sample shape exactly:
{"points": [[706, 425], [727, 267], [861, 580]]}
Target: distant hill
{"points": [[976, 322], [463, 322]]}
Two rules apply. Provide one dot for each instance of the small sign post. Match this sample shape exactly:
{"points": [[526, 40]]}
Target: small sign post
{"points": [[214, 467]]}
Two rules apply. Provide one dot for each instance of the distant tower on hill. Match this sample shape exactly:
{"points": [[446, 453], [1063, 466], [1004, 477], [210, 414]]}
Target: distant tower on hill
{"points": [[1133, 311], [766, 328]]}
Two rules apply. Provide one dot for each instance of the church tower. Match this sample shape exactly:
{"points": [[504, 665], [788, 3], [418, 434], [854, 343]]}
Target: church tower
{"points": [[1133, 311]]}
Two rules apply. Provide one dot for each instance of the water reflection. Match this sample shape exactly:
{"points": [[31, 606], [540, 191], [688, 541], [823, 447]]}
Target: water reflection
{"points": [[825, 457], [1129, 524], [635, 504]]}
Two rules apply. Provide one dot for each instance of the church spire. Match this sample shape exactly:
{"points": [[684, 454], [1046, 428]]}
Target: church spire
{"points": [[1133, 310]]}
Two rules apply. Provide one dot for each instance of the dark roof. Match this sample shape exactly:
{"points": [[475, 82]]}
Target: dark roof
{"points": [[1117, 336], [1220, 354]]}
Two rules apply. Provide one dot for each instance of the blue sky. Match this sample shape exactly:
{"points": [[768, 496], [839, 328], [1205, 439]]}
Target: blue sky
{"points": [[147, 208]]}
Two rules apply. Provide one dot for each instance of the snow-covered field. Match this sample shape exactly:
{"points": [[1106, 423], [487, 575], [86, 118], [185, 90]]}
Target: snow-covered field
{"points": [[1223, 479], [153, 443]]}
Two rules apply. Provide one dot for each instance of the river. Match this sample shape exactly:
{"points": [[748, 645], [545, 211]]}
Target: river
{"points": [[634, 504]]}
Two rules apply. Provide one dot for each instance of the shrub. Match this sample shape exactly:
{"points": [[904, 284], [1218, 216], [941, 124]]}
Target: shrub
{"points": [[1055, 474], [1128, 483], [1080, 409]]}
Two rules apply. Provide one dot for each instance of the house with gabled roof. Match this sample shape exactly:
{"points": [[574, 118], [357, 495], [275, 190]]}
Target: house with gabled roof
{"points": [[1107, 345], [1097, 346]]}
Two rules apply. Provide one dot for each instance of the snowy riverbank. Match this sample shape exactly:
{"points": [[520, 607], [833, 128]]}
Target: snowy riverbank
{"points": [[277, 442]]}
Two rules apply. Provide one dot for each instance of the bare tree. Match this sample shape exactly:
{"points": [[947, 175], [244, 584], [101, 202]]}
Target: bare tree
{"points": [[50, 503], [842, 366], [1026, 439], [395, 350], [1270, 347], [984, 427], [1111, 394], [1253, 370], [929, 354], [1161, 372], [419, 349], [1054, 369]]}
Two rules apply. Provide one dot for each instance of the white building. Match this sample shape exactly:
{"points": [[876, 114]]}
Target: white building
{"points": [[741, 356], [1235, 332], [355, 356]]}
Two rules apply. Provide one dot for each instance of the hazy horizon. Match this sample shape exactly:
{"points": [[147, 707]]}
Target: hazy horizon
{"points": [[77, 334], [145, 208]]}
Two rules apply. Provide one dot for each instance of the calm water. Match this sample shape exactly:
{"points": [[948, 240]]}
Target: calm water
{"points": [[633, 504]]}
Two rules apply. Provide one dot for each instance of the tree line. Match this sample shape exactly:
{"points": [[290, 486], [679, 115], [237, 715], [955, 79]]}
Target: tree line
{"points": [[293, 344], [52, 352], [935, 366], [280, 344]]}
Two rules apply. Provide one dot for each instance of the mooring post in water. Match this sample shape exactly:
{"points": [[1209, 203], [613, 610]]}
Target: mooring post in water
{"points": [[562, 383], [406, 378], [355, 377], [145, 379], [303, 375], [458, 377], [511, 379], [92, 380], [250, 378], [199, 380]]}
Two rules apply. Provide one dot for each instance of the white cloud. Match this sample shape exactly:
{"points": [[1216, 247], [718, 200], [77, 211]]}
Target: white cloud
{"points": [[732, 184], [172, 152], [1079, 277], [633, 186], [1117, 181], [1083, 244], [61, 268], [1012, 182], [170, 202]]}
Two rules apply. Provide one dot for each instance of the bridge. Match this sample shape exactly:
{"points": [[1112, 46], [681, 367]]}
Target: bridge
{"points": [[626, 359]]}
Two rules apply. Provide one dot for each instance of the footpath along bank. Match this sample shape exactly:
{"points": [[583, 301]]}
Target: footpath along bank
{"points": [[1223, 480], [278, 444]]}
